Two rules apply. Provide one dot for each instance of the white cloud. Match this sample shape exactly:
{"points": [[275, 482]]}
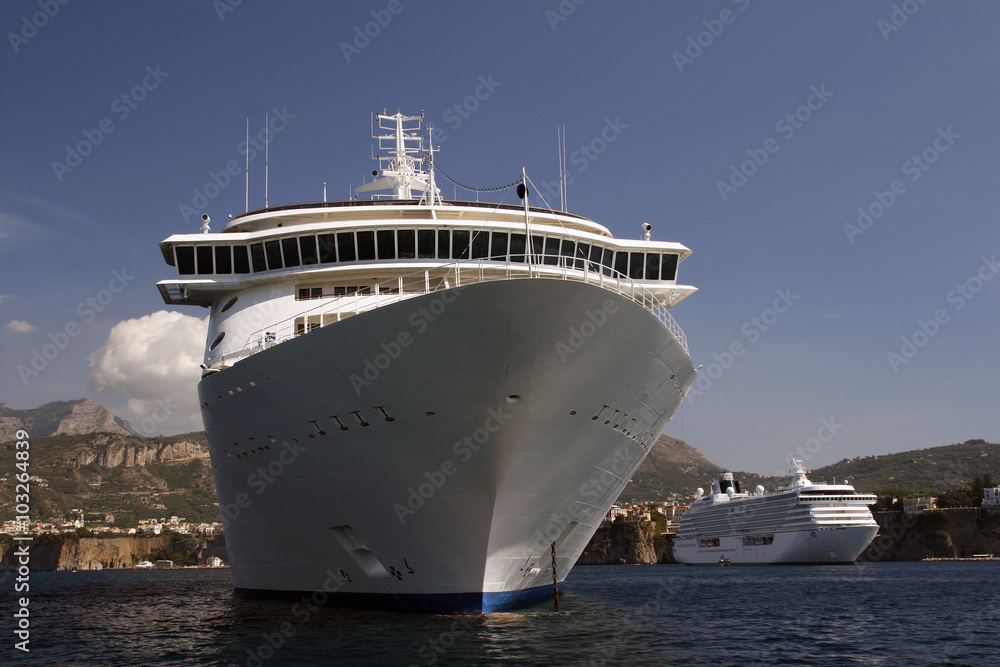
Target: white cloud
{"points": [[154, 361], [5, 296], [20, 326]]}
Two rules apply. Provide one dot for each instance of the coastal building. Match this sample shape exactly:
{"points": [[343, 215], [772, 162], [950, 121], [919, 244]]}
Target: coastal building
{"points": [[991, 497], [918, 505], [615, 512]]}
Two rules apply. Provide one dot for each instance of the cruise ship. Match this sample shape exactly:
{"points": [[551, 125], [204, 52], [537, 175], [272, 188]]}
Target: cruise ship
{"points": [[425, 404], [801, 522]]}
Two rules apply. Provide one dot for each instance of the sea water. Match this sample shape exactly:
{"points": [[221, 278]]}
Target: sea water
{"points": [[862, 614]]}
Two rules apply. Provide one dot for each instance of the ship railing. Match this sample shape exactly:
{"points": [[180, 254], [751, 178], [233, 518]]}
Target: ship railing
{"points": [[335, 308]]}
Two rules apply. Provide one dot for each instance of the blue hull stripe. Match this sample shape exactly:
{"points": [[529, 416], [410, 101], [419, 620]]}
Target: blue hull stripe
{"points": [[442, 603]]}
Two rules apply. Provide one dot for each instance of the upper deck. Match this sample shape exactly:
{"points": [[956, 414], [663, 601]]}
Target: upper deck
{"points": [[362, 253]]}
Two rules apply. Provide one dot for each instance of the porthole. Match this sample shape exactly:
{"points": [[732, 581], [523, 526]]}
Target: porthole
{"points": [[229, 304], [218, 339]]}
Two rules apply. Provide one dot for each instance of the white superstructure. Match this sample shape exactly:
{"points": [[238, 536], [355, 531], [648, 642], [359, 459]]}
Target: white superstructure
{"points": [[801, 522], [410, 401]]}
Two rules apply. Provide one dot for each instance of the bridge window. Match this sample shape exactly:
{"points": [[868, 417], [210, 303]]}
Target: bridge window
{"points": [[460, 244], [653, 266], [568, 248], [406, 240], [635, 266], [257, 257], [537, 247], [386, 244], [345, 246], [309, 293], [444, 244], [595, 258], [551, 250], [668, 267], [204, 254], [366, 245], [185, 259], [241, 262], [480, 245], [327, 248], [272, 249], [498, 246], [307, 246], [425, 244], [517, 242], [582, 251], [606, 262], [621, 263], [290, 251], [223, 259]]}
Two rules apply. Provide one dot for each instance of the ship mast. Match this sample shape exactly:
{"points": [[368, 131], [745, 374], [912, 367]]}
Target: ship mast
{"points": [[402, 171]]}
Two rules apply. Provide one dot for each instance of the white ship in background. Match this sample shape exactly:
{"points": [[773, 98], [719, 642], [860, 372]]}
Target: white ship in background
{"points": [[409, 401], [802, 522]]}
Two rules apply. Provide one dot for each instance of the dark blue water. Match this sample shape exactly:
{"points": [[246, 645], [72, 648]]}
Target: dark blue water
{"points": [[866, 614]]}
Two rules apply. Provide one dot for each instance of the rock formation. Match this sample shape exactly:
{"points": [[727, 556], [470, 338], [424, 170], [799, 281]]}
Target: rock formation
{"points": [[61, 418]]}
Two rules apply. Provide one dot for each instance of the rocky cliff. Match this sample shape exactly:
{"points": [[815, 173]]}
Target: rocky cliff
{"points": [[955, 533], [57, 553], [623, 543], [110, 451], [61, 418]]}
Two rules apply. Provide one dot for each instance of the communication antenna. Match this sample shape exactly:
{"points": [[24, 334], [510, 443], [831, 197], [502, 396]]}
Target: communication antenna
{"points": [[246, 187], [563, 185], [267, 135]]}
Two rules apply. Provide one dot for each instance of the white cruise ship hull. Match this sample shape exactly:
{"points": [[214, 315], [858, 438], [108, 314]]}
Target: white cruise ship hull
{"points": [[426, 454], [840, 544]]}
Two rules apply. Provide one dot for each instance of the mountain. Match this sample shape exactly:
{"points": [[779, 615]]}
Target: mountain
{"points": [[672, 466], [61, 418], [113, 473], [918, 471], [675, 467], [83, 457]]}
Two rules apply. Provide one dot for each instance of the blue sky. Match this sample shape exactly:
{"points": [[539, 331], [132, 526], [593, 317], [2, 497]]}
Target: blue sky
{"points": [[750, 131]]}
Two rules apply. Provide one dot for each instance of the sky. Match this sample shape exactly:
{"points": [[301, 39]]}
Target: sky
{"points": [[832, 166]]}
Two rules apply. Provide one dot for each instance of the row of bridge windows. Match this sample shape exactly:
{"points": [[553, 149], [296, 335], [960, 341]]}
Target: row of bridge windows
{"points": [[441, 244]]}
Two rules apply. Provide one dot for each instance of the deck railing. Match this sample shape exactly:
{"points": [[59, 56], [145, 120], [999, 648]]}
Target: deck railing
{"points": [[446, 276]]}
